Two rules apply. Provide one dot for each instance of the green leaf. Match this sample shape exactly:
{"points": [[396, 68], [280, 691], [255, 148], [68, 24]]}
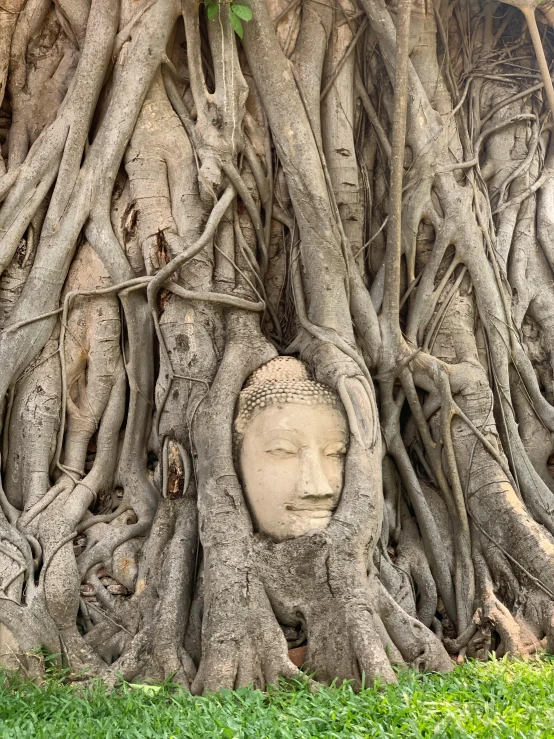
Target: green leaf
{"points": [[242, 11], [212, 10], [237, 25], [148, 689]]}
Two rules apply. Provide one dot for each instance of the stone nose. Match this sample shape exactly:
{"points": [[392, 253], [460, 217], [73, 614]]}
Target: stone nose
{"points": [[313, 482]]}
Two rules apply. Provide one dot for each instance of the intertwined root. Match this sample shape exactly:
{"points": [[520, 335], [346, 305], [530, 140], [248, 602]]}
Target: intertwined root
{"points": [[178, 207]]}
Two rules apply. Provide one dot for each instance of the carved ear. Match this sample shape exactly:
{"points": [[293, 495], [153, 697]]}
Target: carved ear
{"points": [[358, 398]]}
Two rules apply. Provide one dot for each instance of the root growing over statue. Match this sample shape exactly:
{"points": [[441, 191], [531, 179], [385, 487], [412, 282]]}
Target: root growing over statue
{"points": [[367, 187]]}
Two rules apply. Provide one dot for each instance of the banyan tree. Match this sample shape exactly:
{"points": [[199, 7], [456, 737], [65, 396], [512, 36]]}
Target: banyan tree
{"points": [[277, 336]]}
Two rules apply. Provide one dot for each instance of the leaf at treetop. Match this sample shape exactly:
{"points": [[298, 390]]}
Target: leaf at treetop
{"points": [[237, 25], [212, 10], [242, 11]]}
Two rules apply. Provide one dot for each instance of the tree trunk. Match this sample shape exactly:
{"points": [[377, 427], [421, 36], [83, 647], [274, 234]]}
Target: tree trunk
{"points": [[191, 191]]}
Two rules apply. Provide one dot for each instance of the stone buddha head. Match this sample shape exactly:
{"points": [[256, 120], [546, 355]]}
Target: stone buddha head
{"points": [[291, 438]]}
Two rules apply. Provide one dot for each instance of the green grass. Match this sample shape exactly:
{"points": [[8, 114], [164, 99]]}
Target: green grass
{"points": [[498, 699]]}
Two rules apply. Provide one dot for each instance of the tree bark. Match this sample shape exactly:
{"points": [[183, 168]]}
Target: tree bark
{"points": [[367, 187]]}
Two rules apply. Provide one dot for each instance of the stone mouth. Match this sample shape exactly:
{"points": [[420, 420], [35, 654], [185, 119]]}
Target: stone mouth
{"points": [[312, 512]]}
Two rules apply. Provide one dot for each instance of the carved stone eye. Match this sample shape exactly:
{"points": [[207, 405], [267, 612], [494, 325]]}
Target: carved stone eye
{"points": [[281, 449]]}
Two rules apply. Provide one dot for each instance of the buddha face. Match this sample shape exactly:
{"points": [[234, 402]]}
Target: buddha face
{"points": [[292, 463]]}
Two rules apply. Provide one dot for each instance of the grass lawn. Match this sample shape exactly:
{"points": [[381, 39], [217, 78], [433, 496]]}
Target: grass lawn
{"points": [[498, 699]]}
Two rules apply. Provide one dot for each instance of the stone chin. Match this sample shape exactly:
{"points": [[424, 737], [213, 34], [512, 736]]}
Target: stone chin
{"points": [[310, 522]]}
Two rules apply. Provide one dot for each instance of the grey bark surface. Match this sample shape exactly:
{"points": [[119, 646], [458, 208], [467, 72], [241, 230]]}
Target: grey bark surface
{"points": [[367, 186]]}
